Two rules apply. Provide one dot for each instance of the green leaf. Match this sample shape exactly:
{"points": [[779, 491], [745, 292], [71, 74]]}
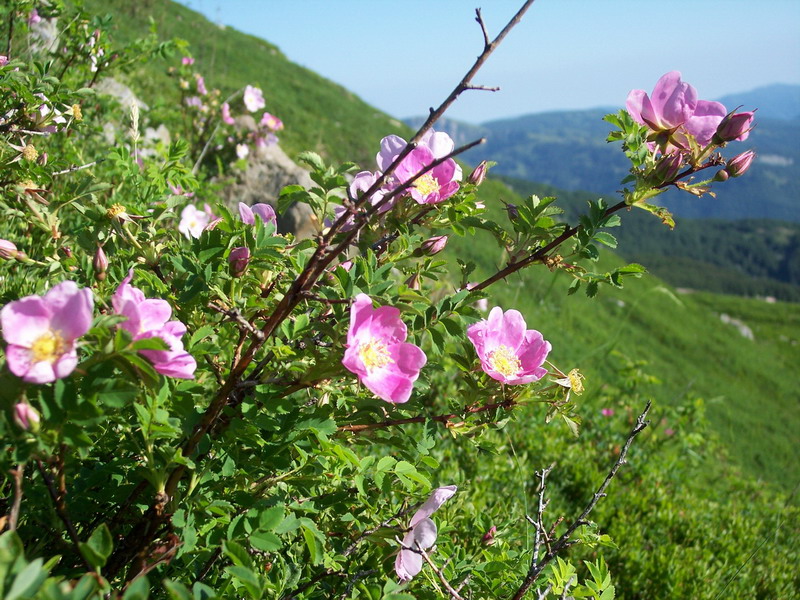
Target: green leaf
{"points": [[98, 547], [269, 519], [265, 541], [606, 238], [28, 581], [153, 343], [139, 589]]}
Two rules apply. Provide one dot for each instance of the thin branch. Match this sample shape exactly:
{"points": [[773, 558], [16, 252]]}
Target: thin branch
{"points": [[479, 19], [13, 515], [483, 88], [74, 168], [354, 580], [541, 534], [564, 541], [60, 504], [450, 589]]}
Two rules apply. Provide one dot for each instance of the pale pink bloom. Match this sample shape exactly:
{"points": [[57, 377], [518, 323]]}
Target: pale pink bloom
{"points": [[508, 351], [253, 98], [194, 101], [263, 141], [193, 221], [201, 85], [238, 259], [177, 190], [3, 60], [482, 304], [261, 209], [607, 412], [26, 417], [8, 249], [226, 114], [674, 106], [438, 142], [360, 184], [149, 318], [421, 535], [271, 121], [242, 150], [41, 332], [378, 353], [33, 17], [187, 60], [433, 187]]}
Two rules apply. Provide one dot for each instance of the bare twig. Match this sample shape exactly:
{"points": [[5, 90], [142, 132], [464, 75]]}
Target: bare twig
{"points": [[479, 19], [564, 541], [74, 168], [541, 534], [13, 515], [450, 589], [354, 580]]}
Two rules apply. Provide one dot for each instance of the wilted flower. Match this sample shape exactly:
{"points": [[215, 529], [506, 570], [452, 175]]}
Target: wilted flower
{"points": [[238, 259], [421, 535], [378, 353], [261, 209], [253, 98], [193, 221], [573, 381], [149, 318], [675, 109], [41, 332], [508, 351], [226, 114], [738, 165], [735, 126]]}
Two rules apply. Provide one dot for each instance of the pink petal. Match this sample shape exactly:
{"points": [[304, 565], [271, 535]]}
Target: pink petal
{"points": [[534, 351], [392, 387], [246, 214], [25, 320], [73, 318], [352, 361], [391, 146], [408, 359], [153, 314], [638, 106], [360, 314], [705, 120], [18, 360], [505, 329], [425, 533], [433, 503], [266, 212], [40, 372], [387, 326], [408, 564], [673, 101], [439, 142], [65, 364], [477, 335]]}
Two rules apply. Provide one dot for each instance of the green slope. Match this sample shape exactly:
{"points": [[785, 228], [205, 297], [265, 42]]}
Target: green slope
{"points": [[752, 402]]}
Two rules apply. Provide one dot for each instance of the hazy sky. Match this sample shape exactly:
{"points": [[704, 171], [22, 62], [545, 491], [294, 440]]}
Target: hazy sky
{"points": [[403, 56]]}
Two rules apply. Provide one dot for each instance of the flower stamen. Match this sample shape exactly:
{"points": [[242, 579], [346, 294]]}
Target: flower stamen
{"points": [[48, 347], [505, 361], [374, 354]]}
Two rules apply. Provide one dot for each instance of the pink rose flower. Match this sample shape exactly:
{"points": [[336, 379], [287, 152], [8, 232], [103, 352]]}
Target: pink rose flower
{"points": [[41, 332], [148, 318], [674, 105], [187, 60], [438, 142], [271, 122], [360, 184], [378, 353], [193, 221], [508, 351], [433, 187], [421, 535], [261, 209], [226, 114], [201, 85], [253, 98]]}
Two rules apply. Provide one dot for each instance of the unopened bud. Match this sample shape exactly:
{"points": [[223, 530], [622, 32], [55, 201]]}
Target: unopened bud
{"points": [[413, 282], [100, 264], [238, 260], [667, 167], [26, 417], [721, 175], [433, 245], [42, 160], [8, 250], [735, 126], [479, 174], [488, 537], [738, 165]]}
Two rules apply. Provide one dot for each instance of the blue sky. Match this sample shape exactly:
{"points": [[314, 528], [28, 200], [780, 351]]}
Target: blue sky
{"points": [[403, 56]]}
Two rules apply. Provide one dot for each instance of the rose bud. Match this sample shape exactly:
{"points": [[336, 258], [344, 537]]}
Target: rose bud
{"points": [[738, 165], [721, 175], [26, 417], [479, 174], [238, 260], [735, 126], [100, 264], [433, 245], [488, 537], [8, 250], [667, 167]]}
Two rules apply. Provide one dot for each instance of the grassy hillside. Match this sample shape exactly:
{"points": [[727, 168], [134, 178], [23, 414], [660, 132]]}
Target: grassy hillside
{"points": [[684, 343]]}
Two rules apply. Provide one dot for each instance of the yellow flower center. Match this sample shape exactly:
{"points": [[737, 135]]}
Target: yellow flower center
{"points": [[503, 360], [576, 381], [29, 152], [77, 114], [115, 211], [374, 354], [48, 347], [426, 184]]}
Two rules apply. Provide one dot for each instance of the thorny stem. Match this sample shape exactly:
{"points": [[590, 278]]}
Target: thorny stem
{"points": [[564, 541], [145, 530], [13, 515], [450, 589]]}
